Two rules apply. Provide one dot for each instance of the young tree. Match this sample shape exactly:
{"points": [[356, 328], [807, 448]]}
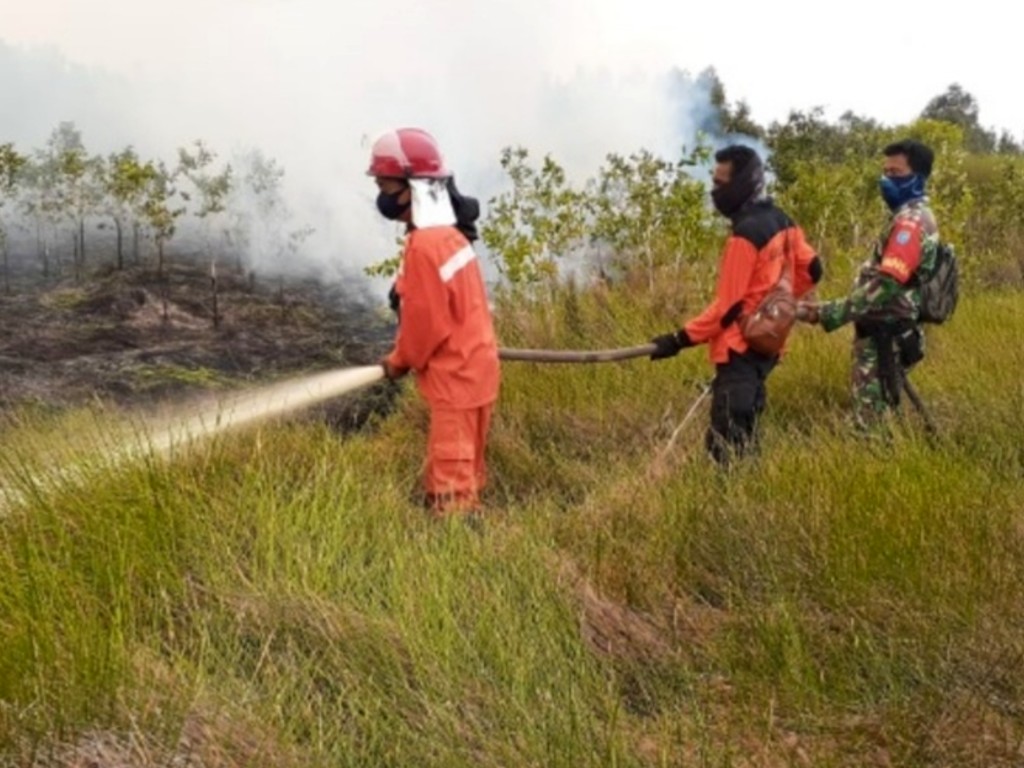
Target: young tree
{"points": [[211, 189], [539, 221], [650, 212], [127, 180], [78, 183], [209, 186], [160, 210], [11, 166], [40, 201]]}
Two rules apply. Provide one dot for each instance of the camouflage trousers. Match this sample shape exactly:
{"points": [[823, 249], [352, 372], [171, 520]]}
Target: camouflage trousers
{"points": [[870, 397], [878, 373]]}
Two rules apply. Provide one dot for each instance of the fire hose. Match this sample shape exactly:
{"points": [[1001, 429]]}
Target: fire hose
{"points": [[603, 356], [644, 350], [575, 356]]}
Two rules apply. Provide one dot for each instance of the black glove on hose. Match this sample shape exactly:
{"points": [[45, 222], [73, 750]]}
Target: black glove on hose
{"points": [[670, 345]]}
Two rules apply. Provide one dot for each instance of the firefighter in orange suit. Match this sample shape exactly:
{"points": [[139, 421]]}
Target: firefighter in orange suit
{"points": [[749, 267], [445, 331]]}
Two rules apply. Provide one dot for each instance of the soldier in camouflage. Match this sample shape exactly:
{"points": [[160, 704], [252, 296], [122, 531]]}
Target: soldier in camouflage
{"points": [[885, 300]]}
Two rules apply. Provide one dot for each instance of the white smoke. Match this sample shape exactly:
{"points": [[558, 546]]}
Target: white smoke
{"points": [[311, 83]]}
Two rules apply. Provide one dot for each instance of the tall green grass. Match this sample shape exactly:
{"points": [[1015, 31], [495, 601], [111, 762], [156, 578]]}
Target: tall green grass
{"points": [[277, 597]]}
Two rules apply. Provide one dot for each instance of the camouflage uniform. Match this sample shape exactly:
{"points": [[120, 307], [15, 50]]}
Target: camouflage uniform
{"points": [[885, 313]]}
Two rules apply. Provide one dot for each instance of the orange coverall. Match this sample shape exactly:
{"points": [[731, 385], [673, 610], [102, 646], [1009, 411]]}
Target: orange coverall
{"points": [[446, 336], [745, 275]]}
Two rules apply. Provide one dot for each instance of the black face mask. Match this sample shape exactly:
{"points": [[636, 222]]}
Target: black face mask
{"points": [[389, 206], [744, 187]]}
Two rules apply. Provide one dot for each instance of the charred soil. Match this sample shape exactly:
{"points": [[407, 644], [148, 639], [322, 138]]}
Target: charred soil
{"points": [[134, 338]]}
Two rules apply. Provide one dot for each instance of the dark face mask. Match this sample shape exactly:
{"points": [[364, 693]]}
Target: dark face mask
{"points": [[389, 206], [899, 190], [744, 186]]}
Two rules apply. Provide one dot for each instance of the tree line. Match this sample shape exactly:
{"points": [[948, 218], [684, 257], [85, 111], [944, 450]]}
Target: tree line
{"points": [[55, 200], [647, 219]]}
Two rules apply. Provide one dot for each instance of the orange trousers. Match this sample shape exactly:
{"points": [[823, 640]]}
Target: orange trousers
{"points": [[455, 470]]}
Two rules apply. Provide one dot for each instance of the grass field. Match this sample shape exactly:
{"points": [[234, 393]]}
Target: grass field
{"points": [[277, 598]]}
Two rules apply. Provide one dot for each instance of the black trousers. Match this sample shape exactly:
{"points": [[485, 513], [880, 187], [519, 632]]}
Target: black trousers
{"points": [[738, 397]]}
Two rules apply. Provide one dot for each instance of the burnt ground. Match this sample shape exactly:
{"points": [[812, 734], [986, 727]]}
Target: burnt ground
{"points": [[134, 338]]}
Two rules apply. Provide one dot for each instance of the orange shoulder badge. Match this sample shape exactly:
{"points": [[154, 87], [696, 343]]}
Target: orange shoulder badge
{"points": [[902, 253]]}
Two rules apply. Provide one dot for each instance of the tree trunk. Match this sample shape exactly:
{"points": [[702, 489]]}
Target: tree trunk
{"points": [[75, 262], [280, 299], [41, 253], [81, 241], [7, 264], [53, 248], [120, 245], [135, 243], [165, 287], [650, 265], [213, 288]]}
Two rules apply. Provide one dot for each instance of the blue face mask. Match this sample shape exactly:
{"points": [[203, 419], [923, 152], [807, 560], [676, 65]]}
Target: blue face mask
{"points": [[899, 190]]}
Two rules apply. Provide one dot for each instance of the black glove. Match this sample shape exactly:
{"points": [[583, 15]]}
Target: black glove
{"points": [[816, 270], [670, 345], [391, 373]]}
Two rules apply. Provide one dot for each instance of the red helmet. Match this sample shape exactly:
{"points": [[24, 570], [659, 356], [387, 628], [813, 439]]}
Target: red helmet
{"points": [[407, 153]]}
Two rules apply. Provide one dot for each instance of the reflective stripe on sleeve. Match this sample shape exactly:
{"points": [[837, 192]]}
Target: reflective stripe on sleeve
{"points": [[451, 267]]}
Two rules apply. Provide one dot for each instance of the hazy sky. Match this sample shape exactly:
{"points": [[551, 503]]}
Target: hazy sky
{"points": [[309, 81], [876, 57]]}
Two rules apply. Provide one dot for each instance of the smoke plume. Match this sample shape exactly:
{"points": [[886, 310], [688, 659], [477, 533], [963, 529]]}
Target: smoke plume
{"points": [[310, 84]]}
